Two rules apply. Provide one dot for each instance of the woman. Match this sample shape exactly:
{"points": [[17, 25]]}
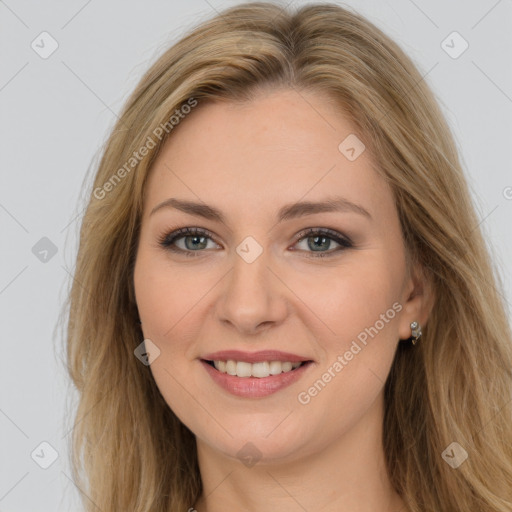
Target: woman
{"points": [[282, 297]]}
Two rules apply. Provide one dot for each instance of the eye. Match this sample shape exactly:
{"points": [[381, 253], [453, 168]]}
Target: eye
{"points": [[194, 240], [322, 238]]}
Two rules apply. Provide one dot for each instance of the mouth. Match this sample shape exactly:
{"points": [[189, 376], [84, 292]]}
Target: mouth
{"points": [[258, 379], [259, 369]]}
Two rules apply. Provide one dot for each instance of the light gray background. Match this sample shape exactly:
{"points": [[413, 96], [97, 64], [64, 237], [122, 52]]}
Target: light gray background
{"points": [[56, 114]]}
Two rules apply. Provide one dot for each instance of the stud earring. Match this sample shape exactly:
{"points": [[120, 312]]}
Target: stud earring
{"points": [[416, 332]]}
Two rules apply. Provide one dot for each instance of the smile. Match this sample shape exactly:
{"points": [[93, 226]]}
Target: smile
{"points": [[254, 380], [258, 369]]}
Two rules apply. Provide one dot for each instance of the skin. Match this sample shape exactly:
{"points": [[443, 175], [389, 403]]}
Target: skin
{"points": [[249, 159]]}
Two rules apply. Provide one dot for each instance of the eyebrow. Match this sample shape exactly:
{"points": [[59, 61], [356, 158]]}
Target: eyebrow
{"points": [[287, 212]]}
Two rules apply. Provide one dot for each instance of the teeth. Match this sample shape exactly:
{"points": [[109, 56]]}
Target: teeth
{"points": [[276, 367], [260, 369], [243, 369], [230, 367]]}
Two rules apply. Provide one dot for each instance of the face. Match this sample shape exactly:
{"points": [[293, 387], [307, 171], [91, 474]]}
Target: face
{"points": [[270, 280]]}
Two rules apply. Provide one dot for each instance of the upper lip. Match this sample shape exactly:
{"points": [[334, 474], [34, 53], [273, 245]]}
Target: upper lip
{"points": [[254, 357]]}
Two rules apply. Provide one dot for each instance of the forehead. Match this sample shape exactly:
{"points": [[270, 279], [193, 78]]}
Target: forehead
{"points": [[280, 147]]}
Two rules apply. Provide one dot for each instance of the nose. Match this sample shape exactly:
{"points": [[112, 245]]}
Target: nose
{"points": [[253, 297]]}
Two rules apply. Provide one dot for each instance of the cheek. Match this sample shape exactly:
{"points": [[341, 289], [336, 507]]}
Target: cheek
{"points": [[361, 310], [354, 297], [168, 302], [154, 302], [166, 295]]}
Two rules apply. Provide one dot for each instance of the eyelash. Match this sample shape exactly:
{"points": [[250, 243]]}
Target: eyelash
{"points": [[168, 239]]}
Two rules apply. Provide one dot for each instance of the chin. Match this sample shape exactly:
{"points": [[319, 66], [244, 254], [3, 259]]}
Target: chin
{"points": [[265, 442]]}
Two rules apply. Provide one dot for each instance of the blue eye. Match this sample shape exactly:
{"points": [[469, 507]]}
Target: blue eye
{"points": [[318, 238], [196, 240]]}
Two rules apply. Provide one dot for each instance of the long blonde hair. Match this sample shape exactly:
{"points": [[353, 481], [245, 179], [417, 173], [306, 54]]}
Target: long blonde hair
{"points": [[129, 450]]}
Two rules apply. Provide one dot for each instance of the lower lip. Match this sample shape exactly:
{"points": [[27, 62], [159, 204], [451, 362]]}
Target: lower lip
{"points": [[254, 387]]}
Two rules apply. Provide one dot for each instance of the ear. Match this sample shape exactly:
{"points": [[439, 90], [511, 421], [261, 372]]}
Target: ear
{"points": [[417, 301]]}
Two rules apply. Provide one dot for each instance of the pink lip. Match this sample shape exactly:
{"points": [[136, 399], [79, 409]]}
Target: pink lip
{"points": [[254, 357], [254, 387]]}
